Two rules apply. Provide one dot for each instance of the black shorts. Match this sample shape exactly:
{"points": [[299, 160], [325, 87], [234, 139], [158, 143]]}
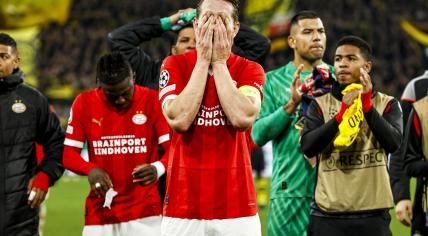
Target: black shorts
{"points": [[376, 225], [257, 159]]}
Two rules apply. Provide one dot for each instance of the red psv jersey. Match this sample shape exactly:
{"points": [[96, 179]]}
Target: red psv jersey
{"points": [[209, 168], [118, 141]]}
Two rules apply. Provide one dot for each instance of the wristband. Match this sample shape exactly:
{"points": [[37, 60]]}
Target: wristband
{"points": [[366, 99], [166, 23], [41, 181], [341, 112]]}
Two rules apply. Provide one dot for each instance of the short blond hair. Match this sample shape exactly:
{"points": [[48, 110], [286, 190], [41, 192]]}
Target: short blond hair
{"points": [[235, 4]]}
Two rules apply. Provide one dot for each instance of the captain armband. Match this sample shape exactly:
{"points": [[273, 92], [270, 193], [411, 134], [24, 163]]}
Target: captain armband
{"points": [[250, 91]]}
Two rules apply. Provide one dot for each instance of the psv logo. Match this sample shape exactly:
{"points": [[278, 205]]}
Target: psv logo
{"points": [[163, 79], [18, 107], [139, 118]]}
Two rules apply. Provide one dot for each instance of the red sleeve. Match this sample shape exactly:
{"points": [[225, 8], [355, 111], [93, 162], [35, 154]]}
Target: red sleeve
{"points": [[75, 139], [163, 132], [74, 162], [253, 75], [170, 80]]}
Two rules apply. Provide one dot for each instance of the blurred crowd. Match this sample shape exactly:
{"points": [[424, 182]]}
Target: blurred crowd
{"points": [[69, 52], [398, 57]]}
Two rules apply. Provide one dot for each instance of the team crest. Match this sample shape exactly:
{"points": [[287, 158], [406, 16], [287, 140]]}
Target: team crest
{"points": [[139, 119], [163, 79], [18, 106]]}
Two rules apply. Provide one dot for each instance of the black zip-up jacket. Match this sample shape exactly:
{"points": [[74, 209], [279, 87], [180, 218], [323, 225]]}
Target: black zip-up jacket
{"points": [[127, 39], [25, 119], [415, 166], [414, 159], [416, 89]]}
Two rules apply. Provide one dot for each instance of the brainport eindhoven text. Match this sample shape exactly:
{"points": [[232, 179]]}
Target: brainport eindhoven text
{"points": [[211, 116], [120, 144]]}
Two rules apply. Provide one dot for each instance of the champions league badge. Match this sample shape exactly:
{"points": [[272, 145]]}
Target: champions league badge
{"points": [[164, 77], [139, 118], [18, 106]]}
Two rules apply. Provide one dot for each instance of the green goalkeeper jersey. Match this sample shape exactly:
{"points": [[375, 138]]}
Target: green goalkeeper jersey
{"points": [[292, 175]]}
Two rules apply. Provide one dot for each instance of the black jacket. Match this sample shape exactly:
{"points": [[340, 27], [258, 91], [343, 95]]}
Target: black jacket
{"points": [[127, 39], [414, 159], [416, 89], [25, 119], [416, 166]]}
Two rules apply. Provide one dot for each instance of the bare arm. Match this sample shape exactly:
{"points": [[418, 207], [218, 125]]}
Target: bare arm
{"points": [[181, 112], [241, 110]]}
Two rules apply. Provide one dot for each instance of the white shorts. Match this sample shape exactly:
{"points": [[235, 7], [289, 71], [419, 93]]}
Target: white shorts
{"points": [[144, 226], [243, 226]]}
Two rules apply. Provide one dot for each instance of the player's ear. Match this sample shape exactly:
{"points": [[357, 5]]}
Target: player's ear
{"points": [[368, 66], [16, 61], [174, 50], [291, 41]]}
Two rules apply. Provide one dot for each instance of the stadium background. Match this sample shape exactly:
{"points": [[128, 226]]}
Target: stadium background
{"points": [[60, 41]]}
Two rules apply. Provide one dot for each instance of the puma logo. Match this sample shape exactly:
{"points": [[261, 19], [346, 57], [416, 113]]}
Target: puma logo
{"points": [[98, 122]]}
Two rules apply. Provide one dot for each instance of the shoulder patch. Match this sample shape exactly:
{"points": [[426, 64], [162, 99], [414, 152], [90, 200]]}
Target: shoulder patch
{"points": [[163, 79]]}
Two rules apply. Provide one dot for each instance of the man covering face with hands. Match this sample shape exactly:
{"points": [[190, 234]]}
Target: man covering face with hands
{"points": [[210, 97]]}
